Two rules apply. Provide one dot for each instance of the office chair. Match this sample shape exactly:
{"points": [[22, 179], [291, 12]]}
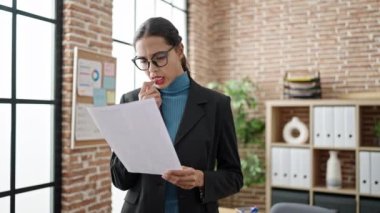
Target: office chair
{"points": [[298, 208]]}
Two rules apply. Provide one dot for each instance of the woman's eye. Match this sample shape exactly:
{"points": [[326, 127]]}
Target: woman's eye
{"points": [[143, 61], [159, 56]]}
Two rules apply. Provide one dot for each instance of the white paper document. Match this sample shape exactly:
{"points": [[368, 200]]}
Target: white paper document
{"points": [[85, 128], [136, 132]]}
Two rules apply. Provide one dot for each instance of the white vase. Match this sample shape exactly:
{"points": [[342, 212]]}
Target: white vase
{"points": [[333, 171], [295, 124]]}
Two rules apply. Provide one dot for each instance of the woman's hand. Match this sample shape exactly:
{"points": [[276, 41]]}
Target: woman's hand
{"points": [[187, 178], [149, 91]]}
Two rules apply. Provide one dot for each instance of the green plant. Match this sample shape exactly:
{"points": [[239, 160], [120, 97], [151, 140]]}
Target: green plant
{"points": [[251, 167], [376, 129], [249, 130]]}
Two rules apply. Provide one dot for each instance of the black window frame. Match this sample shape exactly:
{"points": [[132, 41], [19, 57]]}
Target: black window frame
{"points": [[56, 103]]}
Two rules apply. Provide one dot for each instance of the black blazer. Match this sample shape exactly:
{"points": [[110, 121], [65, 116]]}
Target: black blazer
{"points": [[206, 141]]}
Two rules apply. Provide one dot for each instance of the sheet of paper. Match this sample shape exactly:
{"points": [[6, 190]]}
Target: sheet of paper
{"points": [[85, 127], [89, 76], [109, 82], [137, 134], [109, 69], [100, 97], [110, 97]]}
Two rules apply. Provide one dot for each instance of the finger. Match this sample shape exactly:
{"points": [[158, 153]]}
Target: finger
{"points": [[143, 91], [181, 173], [148, 90], [182, 180], [184, 183], [171, 179], [186, 186], [158, 101], [188, 181], [155, 96], [152, 93], [146, 86]]}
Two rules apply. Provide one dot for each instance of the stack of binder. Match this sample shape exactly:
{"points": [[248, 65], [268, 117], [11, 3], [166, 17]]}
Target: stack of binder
{"points": [[369, 173], [334, 126], [291, 167], [302, 85]]}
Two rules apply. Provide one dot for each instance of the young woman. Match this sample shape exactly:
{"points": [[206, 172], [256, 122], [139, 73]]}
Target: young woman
{"points": [[199, 122]]}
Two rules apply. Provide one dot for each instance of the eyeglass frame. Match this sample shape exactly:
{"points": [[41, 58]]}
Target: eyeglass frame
{"points": [[152, 59]]}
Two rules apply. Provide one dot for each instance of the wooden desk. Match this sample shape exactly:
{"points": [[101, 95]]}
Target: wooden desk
{"points": [[226, 210]]}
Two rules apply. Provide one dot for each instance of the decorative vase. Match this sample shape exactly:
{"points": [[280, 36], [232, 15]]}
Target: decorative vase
{"points": [[295, 124], [333, 171]]}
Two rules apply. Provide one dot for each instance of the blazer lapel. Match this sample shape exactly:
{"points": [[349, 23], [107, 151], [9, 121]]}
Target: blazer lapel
{"points": [[194, 111]]}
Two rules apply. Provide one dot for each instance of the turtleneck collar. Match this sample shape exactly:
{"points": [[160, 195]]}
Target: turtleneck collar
{"points": [[181, 83]]}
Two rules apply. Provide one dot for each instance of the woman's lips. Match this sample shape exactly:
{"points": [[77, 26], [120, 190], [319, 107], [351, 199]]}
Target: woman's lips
{"points": [[159, 80]]}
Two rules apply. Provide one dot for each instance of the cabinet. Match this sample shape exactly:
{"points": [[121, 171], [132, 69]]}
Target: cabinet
{"points": [[297, 173]]}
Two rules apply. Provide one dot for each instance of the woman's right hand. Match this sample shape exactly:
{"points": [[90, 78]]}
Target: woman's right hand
{"points": [[149, 91]]}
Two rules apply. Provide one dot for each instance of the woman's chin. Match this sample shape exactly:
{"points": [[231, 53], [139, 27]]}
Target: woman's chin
{"points": [[160, 86]]}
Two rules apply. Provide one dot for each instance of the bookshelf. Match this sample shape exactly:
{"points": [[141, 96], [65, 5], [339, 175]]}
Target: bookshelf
{"points": [[364, 115]]}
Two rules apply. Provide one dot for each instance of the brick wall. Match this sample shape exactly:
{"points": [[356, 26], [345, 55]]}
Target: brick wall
{"points": [[200, 38], [86, 179], [263, 39]]}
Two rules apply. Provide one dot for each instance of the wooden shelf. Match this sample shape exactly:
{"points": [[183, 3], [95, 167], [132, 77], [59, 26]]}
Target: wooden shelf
{"points": [[347, 191], [283, 144], [336, 148], [370, 148], [290, 187], [320, 102]]}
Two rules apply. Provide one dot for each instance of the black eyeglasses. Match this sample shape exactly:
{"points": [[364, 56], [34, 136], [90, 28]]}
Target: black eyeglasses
{"points": [[159, 59]]}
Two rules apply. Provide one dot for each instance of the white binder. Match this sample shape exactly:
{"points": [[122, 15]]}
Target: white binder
{"points": [[328, 126], [365, 177], [375, 173], [295, 167], [276, 159], [318, 126], [304, 160], [350, 122], [285, 166], [339, 126]]}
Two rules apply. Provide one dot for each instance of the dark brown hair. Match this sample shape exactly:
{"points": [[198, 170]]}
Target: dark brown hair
{"points": [[161, 27]]}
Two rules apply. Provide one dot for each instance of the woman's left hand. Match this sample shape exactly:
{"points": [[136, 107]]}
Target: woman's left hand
{"points": [[187, 178]]}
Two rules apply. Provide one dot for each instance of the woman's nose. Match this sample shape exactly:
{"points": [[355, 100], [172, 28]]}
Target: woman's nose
{"points": [[152, 67]]}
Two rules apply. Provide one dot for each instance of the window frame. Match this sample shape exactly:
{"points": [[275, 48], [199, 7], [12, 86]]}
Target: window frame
{"points": [[55, 185]]}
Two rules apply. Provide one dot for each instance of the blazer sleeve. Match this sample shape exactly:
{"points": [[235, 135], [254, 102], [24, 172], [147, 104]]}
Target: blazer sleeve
{"points": [[121, 178], [228, 177]]}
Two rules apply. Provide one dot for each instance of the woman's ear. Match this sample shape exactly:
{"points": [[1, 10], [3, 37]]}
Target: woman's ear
{"points": [[179, 50]]}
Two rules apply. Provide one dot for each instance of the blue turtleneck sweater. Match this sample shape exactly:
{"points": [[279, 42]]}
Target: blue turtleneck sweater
{"points": [[174, 98]]}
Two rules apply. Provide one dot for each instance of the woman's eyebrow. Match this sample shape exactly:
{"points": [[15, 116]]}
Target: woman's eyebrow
{"points": [[154, 54], [140, 57], [158, 52]]}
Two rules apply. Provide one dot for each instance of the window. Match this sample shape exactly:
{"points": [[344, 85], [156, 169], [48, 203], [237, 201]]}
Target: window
{"points": [[127, 17], [30, 105]]}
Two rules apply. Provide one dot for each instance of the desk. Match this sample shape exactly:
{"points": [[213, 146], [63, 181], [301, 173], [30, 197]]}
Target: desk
{"points": [[226, 210]]}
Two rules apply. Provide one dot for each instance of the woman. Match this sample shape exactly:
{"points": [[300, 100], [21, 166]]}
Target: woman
{"points": [[199, 122]]}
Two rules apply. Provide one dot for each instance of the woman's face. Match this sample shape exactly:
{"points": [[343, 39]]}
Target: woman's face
{"points": [[167, 58]]}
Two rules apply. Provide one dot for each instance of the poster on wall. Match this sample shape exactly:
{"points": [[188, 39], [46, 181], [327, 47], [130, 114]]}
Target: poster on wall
{"points": [[94, 84]]}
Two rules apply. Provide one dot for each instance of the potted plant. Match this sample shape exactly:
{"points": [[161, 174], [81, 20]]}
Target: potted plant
{"points": [[376, 130], [249, 130]]}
